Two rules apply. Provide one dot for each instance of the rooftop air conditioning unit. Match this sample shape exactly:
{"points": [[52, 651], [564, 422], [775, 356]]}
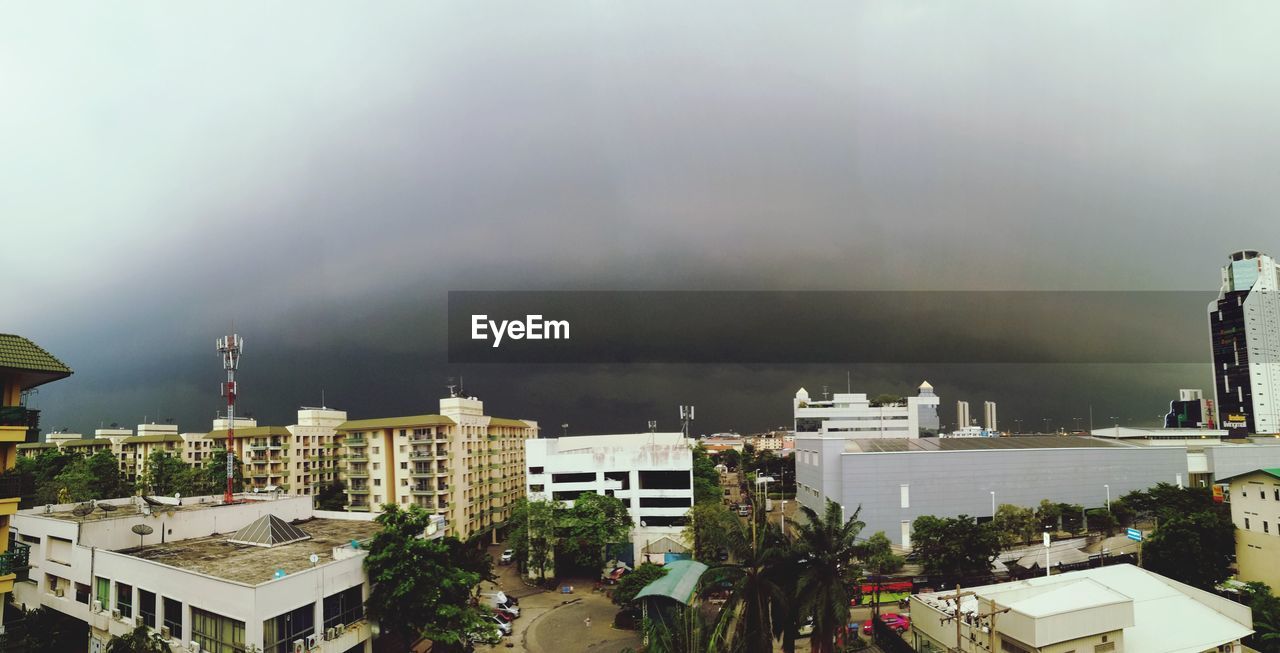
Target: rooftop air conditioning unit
{"points": [[340, 629], [115, 614], [313, 641], [194, 647], [97, 605], [331, 633], [299, 646], [164, 632]]}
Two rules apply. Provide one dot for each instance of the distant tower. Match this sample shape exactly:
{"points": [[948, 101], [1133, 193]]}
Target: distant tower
{"points": [[1244, 322], [230, 348], [686, 416], [962, 414], [928, 412], [989, 416]]}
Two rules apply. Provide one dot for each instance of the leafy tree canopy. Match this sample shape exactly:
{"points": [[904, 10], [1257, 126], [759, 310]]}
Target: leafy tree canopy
{"points": [[955, 547], [1195, 548], [632, 583]]}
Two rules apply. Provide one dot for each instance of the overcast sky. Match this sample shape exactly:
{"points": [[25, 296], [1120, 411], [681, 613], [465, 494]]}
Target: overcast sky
{"points": [[321, 174]]}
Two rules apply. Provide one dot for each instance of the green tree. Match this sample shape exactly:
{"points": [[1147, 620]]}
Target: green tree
{"points": [[331, 496], [1015, 525], [1101, 519], [879, 560], [38, 474], [730, 458], [1195, 548], [211, 478], [93, 477], [42, 630], [827, 545], [956, 548], [711, 527], [1266, 618], [593, 523], [164, 475], [419, 587], [1050, 516], [532, 534], [761, 584], [706, 480], [139, 640], [632, 583]]}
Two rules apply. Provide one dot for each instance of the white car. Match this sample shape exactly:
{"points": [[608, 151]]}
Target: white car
{"points": [[507, 557], [503, 627], [509, 609]]}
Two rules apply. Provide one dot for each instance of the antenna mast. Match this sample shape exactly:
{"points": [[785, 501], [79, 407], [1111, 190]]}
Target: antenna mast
{"points": [[230, 348], [686, 416]]}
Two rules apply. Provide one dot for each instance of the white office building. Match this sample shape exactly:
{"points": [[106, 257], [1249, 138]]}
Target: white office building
{"points": [[853, 415], [651, 473], [1244, 322], [265, 574]]}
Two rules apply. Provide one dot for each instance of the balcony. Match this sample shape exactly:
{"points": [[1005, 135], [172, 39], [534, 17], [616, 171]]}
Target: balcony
{"points": [[357, 458], [15, 559], [357, 490], [422, 491], [18, 416], [421, 455], [357, 473], [10, 486], [358, 507], [355, 442]]}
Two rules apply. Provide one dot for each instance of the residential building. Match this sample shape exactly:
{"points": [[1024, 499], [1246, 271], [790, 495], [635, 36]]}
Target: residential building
{"points": [[260, 574], [769, 440], [1190, 410], [719, 442], [24, 365], [989, 423], [1255, 511], [459, 463], [651, 473], [1118, 608], [962, 415], [853, 415], [1244, 322]]}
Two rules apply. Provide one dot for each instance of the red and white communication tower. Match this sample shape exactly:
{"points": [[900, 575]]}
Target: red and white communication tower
{"points": [[230, 348]]}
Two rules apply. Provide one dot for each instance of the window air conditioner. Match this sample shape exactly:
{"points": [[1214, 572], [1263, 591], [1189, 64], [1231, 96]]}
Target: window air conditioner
{"points": [[331, 633], [299, 646], [340, 628], [59, 592], [115, 614], [194, 647], [97, 605], [164, 632], [313, 641]]}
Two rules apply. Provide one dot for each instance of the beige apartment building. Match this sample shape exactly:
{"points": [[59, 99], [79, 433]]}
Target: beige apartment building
{"points": [[460, 463], [1255, 511]]}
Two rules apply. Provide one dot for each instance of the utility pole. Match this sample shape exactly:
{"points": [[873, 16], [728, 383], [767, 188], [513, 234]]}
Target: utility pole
{"points": [[991, 627], [956, 615]]}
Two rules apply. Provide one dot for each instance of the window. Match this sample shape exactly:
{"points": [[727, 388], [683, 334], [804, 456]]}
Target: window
{"points": [[124, 599], [147, 607], [1246, 523], [535, 470], [581, 477], [216, 633], [343, 608], [173, 618], [279, 632], [1266, 528], [103, 591]]}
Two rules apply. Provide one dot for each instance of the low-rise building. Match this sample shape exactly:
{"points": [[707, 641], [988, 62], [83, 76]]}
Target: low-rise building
{"points": [[854, 415], [1120, 608], [1255, 512], [651, 473], [210, 577]]}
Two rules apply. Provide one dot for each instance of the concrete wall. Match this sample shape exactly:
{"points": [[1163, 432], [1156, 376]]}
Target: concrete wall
{"points": [[1229, 460]]}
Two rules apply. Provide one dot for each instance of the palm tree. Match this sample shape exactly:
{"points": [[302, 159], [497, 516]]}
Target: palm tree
{"points": [[759, 600], [827, 545]]}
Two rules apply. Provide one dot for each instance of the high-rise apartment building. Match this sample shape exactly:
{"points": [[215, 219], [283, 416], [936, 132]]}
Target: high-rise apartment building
{"points": [[23, 365], [989, 422], [962, 414], [1245, 325], [296, 459], [460, 463]]}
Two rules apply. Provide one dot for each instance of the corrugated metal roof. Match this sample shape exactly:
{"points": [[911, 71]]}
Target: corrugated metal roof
{"points": [[680, 583]]}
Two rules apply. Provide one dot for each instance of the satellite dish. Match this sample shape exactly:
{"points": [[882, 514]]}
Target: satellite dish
{"points": [[106, 507], [82, 510], [142, 529]]}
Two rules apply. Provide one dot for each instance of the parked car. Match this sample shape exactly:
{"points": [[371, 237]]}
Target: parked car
{"points": [[506, 557], [503, 626], [508, 609], [893, 620], [488, 636], [503, 616]]}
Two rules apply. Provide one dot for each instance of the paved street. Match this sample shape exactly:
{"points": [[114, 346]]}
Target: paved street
{"points": [[553, 622]]}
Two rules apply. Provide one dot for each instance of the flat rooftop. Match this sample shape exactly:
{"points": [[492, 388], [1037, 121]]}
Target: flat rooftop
{"points": [[127, 508], [254, 565], [895, 445]]}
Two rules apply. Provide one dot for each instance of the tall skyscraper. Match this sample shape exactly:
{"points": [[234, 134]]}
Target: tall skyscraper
{"points": [[1245, 325], [989, 416], [962, 414], [929, 422]]}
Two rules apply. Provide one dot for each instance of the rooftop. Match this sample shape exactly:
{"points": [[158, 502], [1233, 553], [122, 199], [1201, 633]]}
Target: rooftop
{"points": [[896, 445], [253, 565], [34, 365]]}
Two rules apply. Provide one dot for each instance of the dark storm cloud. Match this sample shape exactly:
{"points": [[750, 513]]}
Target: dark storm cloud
{"points": [[322, 176]]}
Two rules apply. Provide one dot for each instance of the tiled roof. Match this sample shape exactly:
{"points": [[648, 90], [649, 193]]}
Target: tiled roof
{"points": [[249, 432], [20, 353]]}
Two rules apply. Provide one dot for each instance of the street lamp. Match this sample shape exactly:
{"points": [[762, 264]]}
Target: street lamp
{"points": [[1108, 497], [993, 505]]}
